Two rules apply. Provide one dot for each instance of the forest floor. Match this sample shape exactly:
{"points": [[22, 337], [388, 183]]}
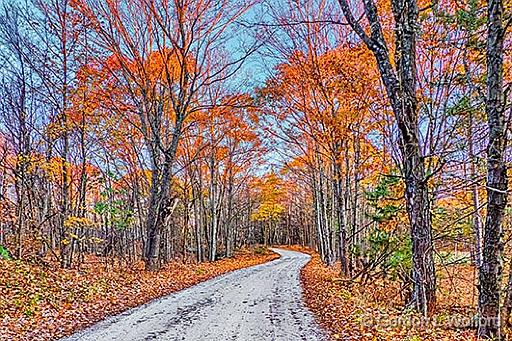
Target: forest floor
{"points": [[374, 310], [43, 302]]}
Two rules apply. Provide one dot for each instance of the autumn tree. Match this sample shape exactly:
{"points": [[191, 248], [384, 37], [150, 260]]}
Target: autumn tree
{"points": [[167, 54], [400, 83], [43, 63], [270, 194], [315, 106], [489, 304]]}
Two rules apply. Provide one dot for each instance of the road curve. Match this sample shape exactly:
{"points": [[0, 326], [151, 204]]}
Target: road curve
{"points": [[263, 302]]}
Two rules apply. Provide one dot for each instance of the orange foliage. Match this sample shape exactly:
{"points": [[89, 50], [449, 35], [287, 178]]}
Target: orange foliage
{"points": [[48, 303], [372, 311]]}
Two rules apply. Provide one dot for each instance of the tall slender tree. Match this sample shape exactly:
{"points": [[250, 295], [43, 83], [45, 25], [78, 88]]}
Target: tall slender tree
{"points": [[497, 182], [400, 83]]}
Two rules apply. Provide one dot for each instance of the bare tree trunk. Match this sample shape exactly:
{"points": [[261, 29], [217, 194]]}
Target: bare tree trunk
{"points": [[354, 228], [230, 233], [159, 204], [212, 238], [318, 219], [400, 84], [497, 183], [324, 219], [340, 200], [196, 204], [477, 218], [65, 260]]}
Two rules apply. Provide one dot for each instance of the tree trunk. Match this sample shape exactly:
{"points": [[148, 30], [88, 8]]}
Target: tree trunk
{"points": [[152, 224], [341, 217], [400, 84], [497, 185], [158, 210], [477, 218], [230, 235], [419, 216], [212, 238]]}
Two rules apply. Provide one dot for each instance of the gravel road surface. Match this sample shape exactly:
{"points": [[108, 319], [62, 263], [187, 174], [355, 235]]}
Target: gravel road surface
{"points": [[263, 302]]}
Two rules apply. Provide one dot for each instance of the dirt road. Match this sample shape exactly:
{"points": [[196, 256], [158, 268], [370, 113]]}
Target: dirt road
{"points": [[263, 302]]}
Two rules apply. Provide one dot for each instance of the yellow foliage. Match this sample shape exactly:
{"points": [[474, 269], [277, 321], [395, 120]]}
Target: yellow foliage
{"points": [[268, 211], [72, 221], [271, 195]]}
